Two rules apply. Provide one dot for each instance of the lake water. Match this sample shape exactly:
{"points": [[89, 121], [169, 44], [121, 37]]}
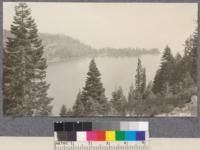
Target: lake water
{"points": [[67, 78]]}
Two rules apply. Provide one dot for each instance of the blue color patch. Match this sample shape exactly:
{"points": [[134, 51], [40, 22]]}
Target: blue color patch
{"points": [[140, 135], [130, 136]]}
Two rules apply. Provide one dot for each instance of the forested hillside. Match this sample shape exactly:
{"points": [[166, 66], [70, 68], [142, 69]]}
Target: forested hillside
{"points": [[59, 47], [173, 90]]}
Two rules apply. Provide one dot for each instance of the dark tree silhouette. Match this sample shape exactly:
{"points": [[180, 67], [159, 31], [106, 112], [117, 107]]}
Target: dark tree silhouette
{"points": [[93, 93], [78, 108], [118, 102], [24, 85], [63, 111], [164, 74]]}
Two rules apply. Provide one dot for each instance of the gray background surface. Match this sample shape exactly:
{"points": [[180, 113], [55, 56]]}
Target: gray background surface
{"points": [[43, 126]]}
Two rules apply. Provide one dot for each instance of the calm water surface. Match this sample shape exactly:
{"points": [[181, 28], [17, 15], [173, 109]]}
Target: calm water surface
{"points": [[67, 78]]}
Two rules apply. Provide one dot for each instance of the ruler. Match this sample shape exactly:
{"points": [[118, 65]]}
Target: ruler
{"points": [[101, 146]]}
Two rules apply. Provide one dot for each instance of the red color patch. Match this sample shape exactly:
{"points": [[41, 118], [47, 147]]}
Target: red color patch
{"points": [[100, 135]]}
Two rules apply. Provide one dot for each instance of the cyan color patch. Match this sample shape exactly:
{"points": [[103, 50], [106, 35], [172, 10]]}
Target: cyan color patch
{"points": [[130, 136]]}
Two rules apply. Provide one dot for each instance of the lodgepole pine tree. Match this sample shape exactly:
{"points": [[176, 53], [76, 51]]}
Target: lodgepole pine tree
{"points": [[93, 93], [24, 85]]}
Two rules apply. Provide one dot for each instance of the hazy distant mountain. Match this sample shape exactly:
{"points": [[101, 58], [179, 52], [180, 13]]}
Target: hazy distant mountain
{"points": [[59, 47]]}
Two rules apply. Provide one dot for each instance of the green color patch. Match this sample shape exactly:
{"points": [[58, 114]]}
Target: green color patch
{"points": [[120, 135]]}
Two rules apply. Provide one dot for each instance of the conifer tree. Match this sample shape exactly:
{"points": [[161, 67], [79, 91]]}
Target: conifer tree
{"points": [[166, 57], [131, 93], [177, 74], [164, 74], [63, 111], [138, 76], [118, 102], [167, 64], [194, 57], [131, 99], [143, 84], [78, 108], [69, 112], [140, 80], [24, 85], [178, 58], [188, 81], [93, 93], [190, 55], [157, 83], [94, 107], [148, 90], [136, 94]]}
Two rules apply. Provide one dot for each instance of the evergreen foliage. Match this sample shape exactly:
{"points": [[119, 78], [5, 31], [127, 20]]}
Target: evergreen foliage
{"points": [[24, 85], [92, 100], [78, 108], [139, 77], [164, 74], [143, 84], [63, 111], [173, 86], [190, 55], [118, 102], [135, 95], [25, 88]]}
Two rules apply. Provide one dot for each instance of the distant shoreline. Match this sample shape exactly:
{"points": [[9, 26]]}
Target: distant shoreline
{"points": [[59, 48], [58, 60]]}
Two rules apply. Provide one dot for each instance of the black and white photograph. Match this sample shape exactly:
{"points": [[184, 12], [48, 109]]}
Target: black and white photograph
{"points": [[70, 59]]}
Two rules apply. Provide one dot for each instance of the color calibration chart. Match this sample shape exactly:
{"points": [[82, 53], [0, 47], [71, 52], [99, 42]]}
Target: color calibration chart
{"points": [[101, 135]]}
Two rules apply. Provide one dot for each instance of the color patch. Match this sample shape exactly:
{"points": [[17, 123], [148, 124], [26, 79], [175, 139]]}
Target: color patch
{"points": [[130, 136], [120, 135], [87, 126], [110, 135], [143, 126], [58, 126], [68, 126], [81, 136], [78, 126], [61, 136], [124, 126], [140, 135], [133, 126], [71, 136], [91, 136], [100, 135]]}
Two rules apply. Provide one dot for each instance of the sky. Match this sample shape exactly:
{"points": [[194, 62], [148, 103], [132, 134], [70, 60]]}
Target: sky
{"points": [[117, 25]]}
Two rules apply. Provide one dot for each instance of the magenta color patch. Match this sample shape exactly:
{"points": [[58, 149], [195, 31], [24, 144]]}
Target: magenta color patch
{"points": [[91, 136]]}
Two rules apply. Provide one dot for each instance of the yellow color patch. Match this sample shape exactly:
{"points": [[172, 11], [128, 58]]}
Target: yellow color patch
{"points": [[110, 135]]}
